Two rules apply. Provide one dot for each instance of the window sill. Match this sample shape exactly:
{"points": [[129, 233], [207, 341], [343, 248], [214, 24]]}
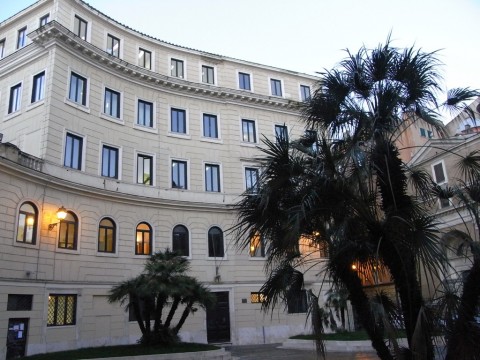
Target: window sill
{"points": [[26, 245], [67, 251], [145, 128], [35, 104], [211, 140], [112, 119], [257, 258], [216, 258], [106, 254], [77, 105], [249, 144], [12, 115], [179, 135]]}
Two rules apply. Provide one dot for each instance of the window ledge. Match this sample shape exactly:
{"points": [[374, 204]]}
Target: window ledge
{"points": [[179, 135], [26, 245], [211, 140], [145, 128], [67, 251], [112, 119], [106, 254], [35, 104], [77, 105], [248, 144], [216, 258], [257, 258], [12, 115]]}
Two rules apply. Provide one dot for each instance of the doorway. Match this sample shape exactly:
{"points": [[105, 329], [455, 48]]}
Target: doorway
{"points": [[16, 338], [218, 319]]}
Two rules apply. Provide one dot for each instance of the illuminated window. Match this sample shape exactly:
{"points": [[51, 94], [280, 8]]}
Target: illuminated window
{"points": [[257, 246], [257, 297], [61, 310], [106, 236], [67, 235], [143, 241], [27, 224]]}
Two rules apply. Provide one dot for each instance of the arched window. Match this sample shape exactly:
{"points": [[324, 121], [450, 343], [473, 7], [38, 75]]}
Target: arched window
{"points": [[143, 242], [68, 233], [180, 240], [215, 242], [106, 236], [27, 223]]}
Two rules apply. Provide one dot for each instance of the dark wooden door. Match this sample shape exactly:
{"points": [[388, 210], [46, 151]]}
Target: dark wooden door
{"points": [[218, 319], [16, 338]]}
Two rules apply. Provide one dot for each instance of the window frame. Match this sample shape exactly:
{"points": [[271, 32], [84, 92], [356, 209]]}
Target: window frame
{"points": [[178, 110], [207, 126], [256, 248], [243, 74], [205, 74], [84, 87], [442, 203], [68, 223], [3, 43], [185, 177], [303, 95], [143, 63], [174, 68], [103, 228], [211, 248], [117, 162], [186, 241], [56, 297], [15, 98], [277, 85], [34, 230], [145, 156], [150, 239], [253, 189], [44, 20], [38, 95], [111, 39], [80, 150], [152, 112], [77, 28], [251, 122], [284, 132], [299, 305], [21, 38], [209, 178], [118, 110]]}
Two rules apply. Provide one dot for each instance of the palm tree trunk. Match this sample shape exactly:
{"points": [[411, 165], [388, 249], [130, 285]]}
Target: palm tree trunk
{"points": [[158, 313], [173, 308], [183, 318], [138, 314]]}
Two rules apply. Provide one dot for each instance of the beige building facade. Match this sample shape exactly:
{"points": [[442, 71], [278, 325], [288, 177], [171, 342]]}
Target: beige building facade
{"points": [[146, 145]]}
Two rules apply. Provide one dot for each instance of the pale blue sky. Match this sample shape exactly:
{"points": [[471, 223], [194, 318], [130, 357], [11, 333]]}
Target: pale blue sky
{"points": [[305, 35]]}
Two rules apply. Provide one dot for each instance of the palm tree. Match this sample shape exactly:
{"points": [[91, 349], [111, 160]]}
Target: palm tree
{"points": [[352, 186], [164, 280]]}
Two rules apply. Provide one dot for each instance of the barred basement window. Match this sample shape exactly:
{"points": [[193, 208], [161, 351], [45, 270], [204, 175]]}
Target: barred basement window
{"points": [[61, 310], [18, 302], [257, 297]]}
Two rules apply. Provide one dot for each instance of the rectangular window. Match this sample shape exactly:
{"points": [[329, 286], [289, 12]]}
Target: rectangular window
{"points": [[208, 76], [423, 132], [176, 68], [251, 180], [145, 58], [110, 162], [248, 131], [297, 303], [257, 246], [244, 81], [80, 27], [257, 297], [44, 19], [61, 310], [38, 88], [144, 169], [210, 128], [19, 302], [179, 174], [111, 104], [304, 92], [439, 173], [145, 113], [212, 178], [113, 45], [2, 48], [15, 98], [430, 134], [281, 132], [178, 121], [276, 87], [78, 89], [73, 152], [21, 38]]}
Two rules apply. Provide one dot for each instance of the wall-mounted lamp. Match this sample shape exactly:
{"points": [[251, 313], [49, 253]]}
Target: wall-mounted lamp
{"points": [[61, 215]]}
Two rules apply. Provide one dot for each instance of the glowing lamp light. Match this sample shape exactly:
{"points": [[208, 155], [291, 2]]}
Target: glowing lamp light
{"points": [[354, 267], [30, 220], [61, 213]]}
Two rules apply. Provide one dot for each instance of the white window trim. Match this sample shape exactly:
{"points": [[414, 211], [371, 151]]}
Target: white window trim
{"points": [[215, 78], [4, 40], [9, 91], [248, 143], [219, 129], [278, 124], [152, 248], [31, 104], [105, 116], [154, 115], [238, 71], [444, 172], [121, 41], [169, 67], [84, 149], [57, 230], [189, 239], [244, 168], [282, 86], [67, 100], [39, 225], [117, 229], [152, 60], [225, 257], [44, 15], [100, 156], [300, 91], [25, 28], [154, 166], [171, 159], [187, 123], [83, 16], [220, 173]]}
